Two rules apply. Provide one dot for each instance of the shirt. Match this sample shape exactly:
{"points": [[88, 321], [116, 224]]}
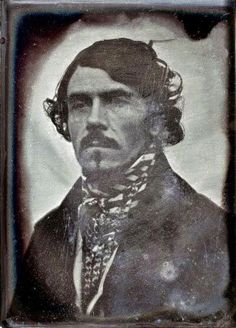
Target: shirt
{"points": [[101, 221]]}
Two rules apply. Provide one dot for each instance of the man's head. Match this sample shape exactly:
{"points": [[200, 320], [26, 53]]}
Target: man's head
{"points": [[113, 101]]}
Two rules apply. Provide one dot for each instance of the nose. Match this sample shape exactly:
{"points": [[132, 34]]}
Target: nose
{"points": [[97, 116]]}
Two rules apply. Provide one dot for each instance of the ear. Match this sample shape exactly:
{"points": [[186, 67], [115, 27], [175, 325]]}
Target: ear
{"points": [[157, 129], [155, 121], [156, 125]]}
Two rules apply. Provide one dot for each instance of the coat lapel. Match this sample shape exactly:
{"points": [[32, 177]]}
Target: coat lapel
{"points": [[63, 241], [151, 218]]}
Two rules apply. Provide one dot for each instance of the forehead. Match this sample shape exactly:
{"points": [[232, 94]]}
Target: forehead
{"points": [[93, 81]]}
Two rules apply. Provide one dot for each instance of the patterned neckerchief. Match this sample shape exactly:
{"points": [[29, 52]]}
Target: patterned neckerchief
{"points": [[102, 219]]}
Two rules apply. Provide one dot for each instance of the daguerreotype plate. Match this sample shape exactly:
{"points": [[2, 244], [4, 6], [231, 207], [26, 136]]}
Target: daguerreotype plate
{"points": [[117, 139]]}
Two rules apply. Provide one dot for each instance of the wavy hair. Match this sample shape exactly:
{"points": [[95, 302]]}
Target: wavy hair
{"points": [[135, 64]]}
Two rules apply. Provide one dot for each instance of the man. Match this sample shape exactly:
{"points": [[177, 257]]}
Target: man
{"points": [[131, 239]]}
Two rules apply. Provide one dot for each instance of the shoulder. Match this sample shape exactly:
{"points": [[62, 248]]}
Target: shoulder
{"points": [[178, 200], [202, 212], [55, 231], [191, 203], [49, 220], [190, 219], [203, 232], [62, 214], [200, 240], [200, 217]]}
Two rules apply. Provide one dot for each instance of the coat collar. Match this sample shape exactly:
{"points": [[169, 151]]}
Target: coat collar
{"points": [[152, 219], [157, 176], [160, 198]]}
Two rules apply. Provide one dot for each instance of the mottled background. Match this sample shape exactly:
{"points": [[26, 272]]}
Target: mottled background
{"points": [[48, 160]]}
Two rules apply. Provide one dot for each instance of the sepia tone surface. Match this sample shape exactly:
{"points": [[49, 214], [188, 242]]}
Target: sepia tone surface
{"points": [[156, 266], [205, 105]]}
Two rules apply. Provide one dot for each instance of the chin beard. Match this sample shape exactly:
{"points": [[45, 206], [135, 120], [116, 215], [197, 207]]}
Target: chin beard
{"points": [[96, 166], [104, 175], [98, 172]]}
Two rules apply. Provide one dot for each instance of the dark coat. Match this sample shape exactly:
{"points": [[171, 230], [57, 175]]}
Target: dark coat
{"points": [[173, 255]]}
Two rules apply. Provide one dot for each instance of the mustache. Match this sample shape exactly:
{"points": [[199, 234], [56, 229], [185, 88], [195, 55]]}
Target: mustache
{"points": [[97, 139]]}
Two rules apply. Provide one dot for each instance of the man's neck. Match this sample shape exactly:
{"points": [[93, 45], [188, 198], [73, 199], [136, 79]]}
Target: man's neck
{"points": [[104, 181], [109, 182]]}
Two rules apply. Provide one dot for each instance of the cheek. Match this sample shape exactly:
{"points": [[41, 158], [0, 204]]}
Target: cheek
{"points": [[76, 127], [135, 130]]}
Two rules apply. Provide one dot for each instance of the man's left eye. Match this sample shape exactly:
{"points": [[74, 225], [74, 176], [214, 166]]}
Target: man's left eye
{"points": [[120, 101]]}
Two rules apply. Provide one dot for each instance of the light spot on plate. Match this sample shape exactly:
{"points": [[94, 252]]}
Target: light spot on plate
{"points": [[169, 272]]}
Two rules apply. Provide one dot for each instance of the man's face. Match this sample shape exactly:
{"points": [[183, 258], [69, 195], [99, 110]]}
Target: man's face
{"points": [[106, 120]]}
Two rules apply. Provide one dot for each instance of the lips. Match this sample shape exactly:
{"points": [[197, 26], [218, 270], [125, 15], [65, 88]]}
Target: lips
{"points": [[98, 140]]}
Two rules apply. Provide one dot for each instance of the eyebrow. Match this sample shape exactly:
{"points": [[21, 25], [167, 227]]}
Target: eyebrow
{"points": [[110, 93]]}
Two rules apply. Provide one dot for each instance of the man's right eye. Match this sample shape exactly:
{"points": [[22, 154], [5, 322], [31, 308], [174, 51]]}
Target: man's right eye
{"points": [[77, 103]]}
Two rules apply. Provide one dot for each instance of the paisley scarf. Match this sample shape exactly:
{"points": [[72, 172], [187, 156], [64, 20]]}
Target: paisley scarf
{"points": [[102, 219]]}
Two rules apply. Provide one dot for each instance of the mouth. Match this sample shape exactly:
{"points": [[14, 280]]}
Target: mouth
{"points": [[98, 142]]}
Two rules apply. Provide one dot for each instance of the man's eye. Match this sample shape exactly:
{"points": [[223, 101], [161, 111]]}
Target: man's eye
{"points": [[119, 101], [79, 104]]}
